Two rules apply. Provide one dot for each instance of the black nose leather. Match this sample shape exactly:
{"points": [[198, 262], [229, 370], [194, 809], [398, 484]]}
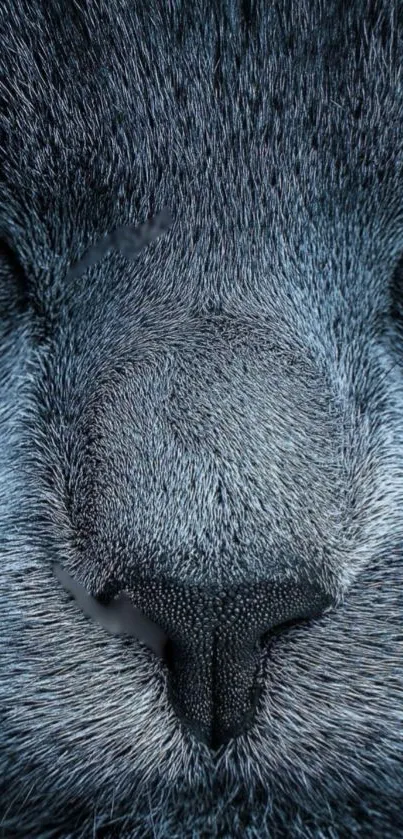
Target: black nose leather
{"points": [[211, 642], [214, 651]]}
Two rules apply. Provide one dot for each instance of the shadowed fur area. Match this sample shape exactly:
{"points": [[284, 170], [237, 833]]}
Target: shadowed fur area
{"points": [[201, 419]]}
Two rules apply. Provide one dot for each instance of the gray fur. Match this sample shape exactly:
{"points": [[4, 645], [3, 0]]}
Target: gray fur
{"points": [[224, 409]]}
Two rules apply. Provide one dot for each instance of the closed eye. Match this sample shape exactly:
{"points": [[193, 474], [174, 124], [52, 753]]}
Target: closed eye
{"points": [[128, 239]]}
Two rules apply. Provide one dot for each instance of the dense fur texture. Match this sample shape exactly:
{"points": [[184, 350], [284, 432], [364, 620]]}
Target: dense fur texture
{"points": [[225, 409]]}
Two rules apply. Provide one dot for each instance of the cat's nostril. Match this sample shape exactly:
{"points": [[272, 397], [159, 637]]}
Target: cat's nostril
{"points": [[119, 615], [169, 654], [268, 636]]}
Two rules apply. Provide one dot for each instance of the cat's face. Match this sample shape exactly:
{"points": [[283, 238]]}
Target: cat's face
{"points": [[206, 439]]}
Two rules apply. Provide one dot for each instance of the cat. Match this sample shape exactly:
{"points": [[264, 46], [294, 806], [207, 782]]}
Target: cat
{"points": [[201, 419]]}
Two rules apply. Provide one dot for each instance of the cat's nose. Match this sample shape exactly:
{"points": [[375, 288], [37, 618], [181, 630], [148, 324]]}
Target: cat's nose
{"points": [[213, 686], [211, 641], [214, 647]]}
